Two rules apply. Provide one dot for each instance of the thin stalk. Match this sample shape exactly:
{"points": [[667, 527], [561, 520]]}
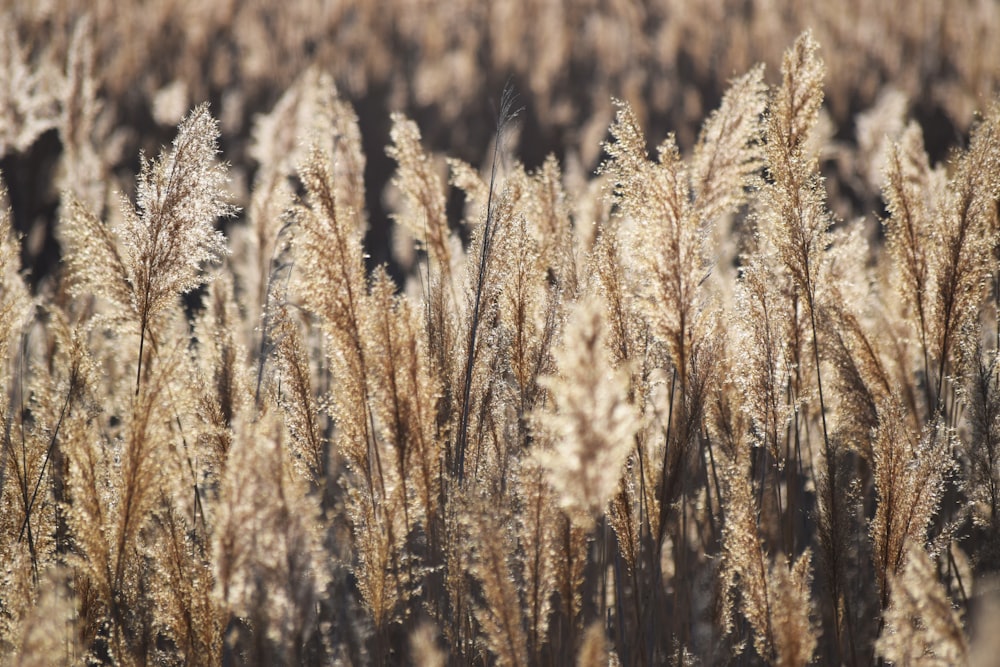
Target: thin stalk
{"points": [[23, 475], [664, 500], [142, 344], [623, 646], [715, 478], [48, 455], [507, 113], [831, 471], [792, 466]]}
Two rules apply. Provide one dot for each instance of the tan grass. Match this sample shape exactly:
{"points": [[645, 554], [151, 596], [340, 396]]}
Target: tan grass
{"points": [[672, 410]]}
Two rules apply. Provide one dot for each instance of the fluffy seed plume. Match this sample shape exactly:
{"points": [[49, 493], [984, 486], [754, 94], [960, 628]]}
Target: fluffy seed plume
{"points": [[166, 237], [591, 423], [921, 627]]}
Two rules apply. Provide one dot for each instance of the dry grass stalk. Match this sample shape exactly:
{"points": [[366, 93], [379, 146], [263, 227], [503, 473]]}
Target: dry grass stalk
{"points": [[269, 563], [982, 399], [500, 615], [910, 232], [774, 596], [795, 220], [591, 424], [328, 247], [620, 421], [594, 650], [171, 232], [966, 237], [14, 297], [29, 97], [909, 474], [536, 536], [425, 197], [922, 627], [481, 271], [166, 238]]}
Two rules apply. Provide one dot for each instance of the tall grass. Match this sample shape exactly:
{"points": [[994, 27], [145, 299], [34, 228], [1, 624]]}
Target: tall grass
{"points": [[672, 411]]}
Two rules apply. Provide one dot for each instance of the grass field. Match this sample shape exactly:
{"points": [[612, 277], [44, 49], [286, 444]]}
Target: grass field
{"points": [[513, 333]]}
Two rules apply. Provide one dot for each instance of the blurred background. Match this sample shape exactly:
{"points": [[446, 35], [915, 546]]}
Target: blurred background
{"points": [[444, 65]]}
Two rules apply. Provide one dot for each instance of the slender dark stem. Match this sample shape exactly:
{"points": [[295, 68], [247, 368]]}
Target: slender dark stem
{"points": [[715, 478], [507, 113], [24, 459], [142, 343], [48, 455], [831, 471]]}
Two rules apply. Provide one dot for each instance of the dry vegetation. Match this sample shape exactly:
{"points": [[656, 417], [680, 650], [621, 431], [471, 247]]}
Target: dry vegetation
{"points": [[735, 401]]}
